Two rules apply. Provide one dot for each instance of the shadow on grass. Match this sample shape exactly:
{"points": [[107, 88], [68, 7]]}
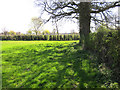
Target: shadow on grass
{"points": [[57, 67], [77, 72]]}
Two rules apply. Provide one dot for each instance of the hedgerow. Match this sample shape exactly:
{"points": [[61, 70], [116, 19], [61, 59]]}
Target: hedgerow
{"points": [[41, 37], [106, 44]]}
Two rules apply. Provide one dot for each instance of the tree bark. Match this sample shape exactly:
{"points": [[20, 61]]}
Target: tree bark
{"points": [[56, 27], [84, 23], [36, 33]]}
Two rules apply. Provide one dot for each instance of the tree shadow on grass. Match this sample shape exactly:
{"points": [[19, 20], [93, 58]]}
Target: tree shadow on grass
{"points": [[76, 71], [58, 67]]}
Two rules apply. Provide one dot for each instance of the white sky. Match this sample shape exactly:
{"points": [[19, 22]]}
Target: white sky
{"points": [[16, 15]]}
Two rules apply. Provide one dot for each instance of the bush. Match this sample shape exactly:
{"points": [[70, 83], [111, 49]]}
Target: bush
{"points": [[75, 37], [70, 37], [9, 38], [42, 37], [54, 37], [46, 37], [106, 44], [58, 37], [51, 37]]}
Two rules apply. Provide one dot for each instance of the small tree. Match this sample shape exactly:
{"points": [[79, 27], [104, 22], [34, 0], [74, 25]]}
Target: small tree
{"points": [[72, 31], [39, 32], [46, 32], [36, 24], [12, 33], [5, 31], [29, 32], [54, 31]]}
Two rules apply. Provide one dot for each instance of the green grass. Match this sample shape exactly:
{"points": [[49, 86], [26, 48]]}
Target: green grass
{"points": [[50, 64]]}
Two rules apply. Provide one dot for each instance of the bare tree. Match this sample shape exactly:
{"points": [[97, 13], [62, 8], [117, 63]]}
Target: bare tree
{"points": [[36, 24], [85, 12], [57, 25], [5, 31], [72, 31], [54, 31]]}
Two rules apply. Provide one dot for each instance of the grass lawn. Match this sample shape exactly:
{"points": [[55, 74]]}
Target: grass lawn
{"points": [[50, 64]]}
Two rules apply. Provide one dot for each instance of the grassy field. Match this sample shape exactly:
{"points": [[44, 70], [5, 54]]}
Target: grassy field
{"points": [[50, 64]]}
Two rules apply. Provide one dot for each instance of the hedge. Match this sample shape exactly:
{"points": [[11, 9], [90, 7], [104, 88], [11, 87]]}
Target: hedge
{"points": [[106, 44], [41, 37]]}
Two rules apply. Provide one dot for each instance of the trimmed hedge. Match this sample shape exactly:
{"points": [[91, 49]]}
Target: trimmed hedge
{"points": [[42, 37]]}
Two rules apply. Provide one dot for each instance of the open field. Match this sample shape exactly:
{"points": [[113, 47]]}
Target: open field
{"points": [[51, 64]]}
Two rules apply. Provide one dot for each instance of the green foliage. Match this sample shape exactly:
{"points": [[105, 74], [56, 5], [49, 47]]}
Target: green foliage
{"points": [[58, 37], [42, 37], [109, 84], [9, 38], [12, 33], [51, 37], [66, 37], [46, 37], [70, 37], [35, 37], [29, 32], [54, 37], [103, 28], [76, 37], [32, 37], [46, 32], [61, 37], [106, 44]]}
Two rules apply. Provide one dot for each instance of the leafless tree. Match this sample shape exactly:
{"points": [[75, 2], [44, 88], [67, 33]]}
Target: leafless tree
{"points": [[84, 12], [36, 24], [5, 31]]}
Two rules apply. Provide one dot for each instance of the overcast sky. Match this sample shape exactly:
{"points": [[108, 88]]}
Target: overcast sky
{"points": [[16, 15]]}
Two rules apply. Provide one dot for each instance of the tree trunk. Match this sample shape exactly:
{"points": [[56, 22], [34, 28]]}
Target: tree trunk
{"points": [[84, 23], [36, 33], [56, 27]]}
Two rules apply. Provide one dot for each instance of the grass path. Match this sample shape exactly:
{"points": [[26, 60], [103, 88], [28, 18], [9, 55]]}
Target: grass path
{"points": [[28, 64]]}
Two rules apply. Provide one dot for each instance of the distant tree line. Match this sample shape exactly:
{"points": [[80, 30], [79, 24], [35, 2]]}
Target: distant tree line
{"points": [[42, 37], [6, 32]]}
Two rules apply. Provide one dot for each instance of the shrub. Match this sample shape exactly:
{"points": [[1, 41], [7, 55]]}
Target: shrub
{"points": [[70, 37], [41, 37], [54, 37], [106, 44], [75, 37], [46, 37], [58, 37], [51, 37], [9, 38]]}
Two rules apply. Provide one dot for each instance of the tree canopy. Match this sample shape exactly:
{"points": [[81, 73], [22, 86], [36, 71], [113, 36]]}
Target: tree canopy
{"points": [[84, 12]]}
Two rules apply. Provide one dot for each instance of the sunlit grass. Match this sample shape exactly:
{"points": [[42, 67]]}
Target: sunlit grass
{"points": [[40, 64]]}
